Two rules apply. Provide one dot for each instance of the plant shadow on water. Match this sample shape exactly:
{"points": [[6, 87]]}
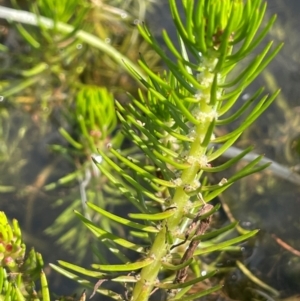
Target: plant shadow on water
{"points": [[270, 204]]}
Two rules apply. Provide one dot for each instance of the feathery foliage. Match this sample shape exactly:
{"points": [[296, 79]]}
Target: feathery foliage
{"points": [[175, 124]]}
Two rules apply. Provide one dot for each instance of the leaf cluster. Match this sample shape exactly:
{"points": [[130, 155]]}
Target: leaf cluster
{"points": [[175, 124], [18, 270]]}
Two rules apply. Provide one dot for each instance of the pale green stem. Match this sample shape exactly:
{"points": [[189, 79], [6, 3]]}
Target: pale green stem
{"points": [[32, 19], [160, 246]]}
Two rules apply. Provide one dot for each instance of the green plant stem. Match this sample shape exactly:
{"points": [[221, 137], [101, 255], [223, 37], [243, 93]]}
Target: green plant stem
{"points": [[32, 19], [160, 248]]}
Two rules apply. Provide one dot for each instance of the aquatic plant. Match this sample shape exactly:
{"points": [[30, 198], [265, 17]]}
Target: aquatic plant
{"points": [[174, 123]]}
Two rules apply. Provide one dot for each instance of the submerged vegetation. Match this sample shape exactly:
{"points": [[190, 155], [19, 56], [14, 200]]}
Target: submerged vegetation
{"points": [[132, 136]]}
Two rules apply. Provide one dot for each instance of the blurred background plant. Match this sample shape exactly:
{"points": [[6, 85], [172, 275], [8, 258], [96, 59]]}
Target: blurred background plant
{"points": [[56, 113]]}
